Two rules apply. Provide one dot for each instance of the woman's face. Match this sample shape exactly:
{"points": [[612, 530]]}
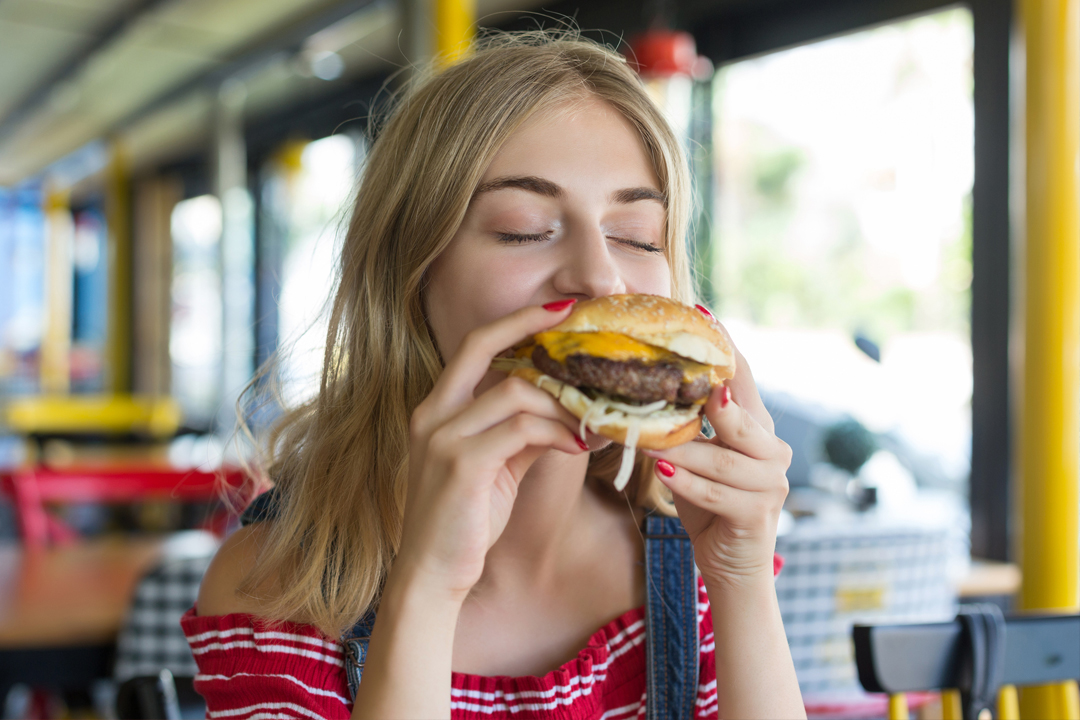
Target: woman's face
{"points": [[569, 208]]}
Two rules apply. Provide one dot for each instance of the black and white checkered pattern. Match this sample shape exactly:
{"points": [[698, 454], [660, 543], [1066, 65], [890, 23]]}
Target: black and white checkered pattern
{"points": [[836, 576], [151, 638]]}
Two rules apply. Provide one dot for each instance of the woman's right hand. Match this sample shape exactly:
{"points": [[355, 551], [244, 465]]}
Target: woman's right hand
{"points": [[468, 454]]}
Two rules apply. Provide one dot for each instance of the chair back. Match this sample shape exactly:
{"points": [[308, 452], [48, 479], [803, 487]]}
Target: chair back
{"points": [[1036, 650], [154, 665]]}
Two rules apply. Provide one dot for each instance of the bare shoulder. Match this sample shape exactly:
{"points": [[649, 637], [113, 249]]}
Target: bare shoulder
{"points": [[234, 560]]}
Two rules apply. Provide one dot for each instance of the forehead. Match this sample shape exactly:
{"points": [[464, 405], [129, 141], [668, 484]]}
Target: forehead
{"points": [[584, 140]]}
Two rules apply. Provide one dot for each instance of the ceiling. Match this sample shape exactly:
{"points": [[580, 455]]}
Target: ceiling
{"points": [[145, 73]]}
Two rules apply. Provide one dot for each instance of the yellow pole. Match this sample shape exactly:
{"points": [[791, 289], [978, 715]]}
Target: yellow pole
{"points": [[1048, 454], [117, 220], [951, 708], [454, 21], [1069, 699], [55, 370], [898, 709], [1008, 704]]}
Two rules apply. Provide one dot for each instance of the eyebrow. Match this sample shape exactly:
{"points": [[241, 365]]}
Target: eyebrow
{"points": [[540, 186], [533, 184], [630, 195]]}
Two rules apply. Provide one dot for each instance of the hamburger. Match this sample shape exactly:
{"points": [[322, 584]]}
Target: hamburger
{"points": [[633, 368]]}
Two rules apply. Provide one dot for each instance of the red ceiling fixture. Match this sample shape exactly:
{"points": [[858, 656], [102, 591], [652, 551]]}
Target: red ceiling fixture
{"points": [[663, 53]]}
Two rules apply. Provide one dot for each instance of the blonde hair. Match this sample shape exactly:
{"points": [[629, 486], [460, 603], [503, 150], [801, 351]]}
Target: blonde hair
{"points": [[339, 462]]}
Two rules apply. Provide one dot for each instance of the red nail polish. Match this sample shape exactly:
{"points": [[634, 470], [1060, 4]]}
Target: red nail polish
{"points": [[581, 443], [665, 468], [705, 311], [725, 397], [558, 305]]}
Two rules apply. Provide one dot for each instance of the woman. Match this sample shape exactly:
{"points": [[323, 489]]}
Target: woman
{"points": [[460, 503]]}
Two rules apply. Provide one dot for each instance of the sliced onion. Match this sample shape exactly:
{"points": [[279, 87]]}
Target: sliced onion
{"points": [[633, 430], [637, 409], [596, 407]]}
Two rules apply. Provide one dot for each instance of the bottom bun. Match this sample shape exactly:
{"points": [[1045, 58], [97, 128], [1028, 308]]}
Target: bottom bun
{"points": [[659, 430]]}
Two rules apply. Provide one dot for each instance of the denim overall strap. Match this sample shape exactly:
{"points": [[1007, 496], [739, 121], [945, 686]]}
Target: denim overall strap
{"points": [[265, 507], [356, 645], [671, 621]]}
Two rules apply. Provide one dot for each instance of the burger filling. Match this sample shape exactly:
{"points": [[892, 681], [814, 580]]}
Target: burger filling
{"points": [[621, 377], [620, 367], [630, 379]]}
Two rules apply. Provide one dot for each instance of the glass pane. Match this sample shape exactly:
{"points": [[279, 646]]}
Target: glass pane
{"points": [[317, 201], [22, 288], [195, 333], [843, 240]]}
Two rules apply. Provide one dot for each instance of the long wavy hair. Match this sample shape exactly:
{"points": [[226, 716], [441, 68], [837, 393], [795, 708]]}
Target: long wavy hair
{"points": [[340, 461]]}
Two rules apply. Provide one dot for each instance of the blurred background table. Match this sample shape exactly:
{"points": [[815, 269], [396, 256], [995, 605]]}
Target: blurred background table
{"points": [[61, 608]]}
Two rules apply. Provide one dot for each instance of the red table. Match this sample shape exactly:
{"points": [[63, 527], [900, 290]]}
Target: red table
{"points": [[32, 487]]}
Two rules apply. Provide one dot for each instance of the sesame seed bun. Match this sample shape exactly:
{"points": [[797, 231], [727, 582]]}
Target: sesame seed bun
{"points": [[657, 321]]}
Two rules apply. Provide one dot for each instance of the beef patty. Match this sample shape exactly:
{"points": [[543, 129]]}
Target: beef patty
{"points": [[631, 379]]}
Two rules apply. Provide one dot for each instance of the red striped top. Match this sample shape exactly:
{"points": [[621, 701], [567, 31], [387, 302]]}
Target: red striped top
{"points": [[252, 670]]}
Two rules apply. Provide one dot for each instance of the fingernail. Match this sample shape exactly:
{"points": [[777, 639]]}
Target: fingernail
{"points": [[705, 310], [725, 397], [581, 443], [665, 468], [558, 305]]}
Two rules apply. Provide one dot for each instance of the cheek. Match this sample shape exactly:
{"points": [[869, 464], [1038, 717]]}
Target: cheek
{"points": [[468, 288], [649, 278]]}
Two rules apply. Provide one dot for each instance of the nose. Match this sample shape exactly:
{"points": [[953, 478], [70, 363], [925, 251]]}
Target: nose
{"points": [[588, 268]]}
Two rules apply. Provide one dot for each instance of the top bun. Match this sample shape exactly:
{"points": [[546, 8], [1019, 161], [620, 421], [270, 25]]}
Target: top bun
{"points": [[658, 321]]}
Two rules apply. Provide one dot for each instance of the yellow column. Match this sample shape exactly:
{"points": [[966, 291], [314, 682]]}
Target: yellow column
{"points": [[454, 27], [59, 287], [1008, 703], [951, 707], [1048, 452], [118, 223], [898, 709]]}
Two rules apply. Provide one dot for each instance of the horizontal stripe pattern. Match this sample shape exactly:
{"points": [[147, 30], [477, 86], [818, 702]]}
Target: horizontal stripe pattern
{"points": [[251, 670]]}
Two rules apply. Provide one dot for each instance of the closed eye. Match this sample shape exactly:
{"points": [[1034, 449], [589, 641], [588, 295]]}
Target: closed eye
{"points": [[516, 238], [637, 244]]}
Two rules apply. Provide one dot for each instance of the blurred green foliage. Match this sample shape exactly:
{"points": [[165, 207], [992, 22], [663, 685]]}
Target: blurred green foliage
{"points": [[782, 264], [758, 277]]}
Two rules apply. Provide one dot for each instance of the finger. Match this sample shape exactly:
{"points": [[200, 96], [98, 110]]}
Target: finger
{"points": [[745, 392], [717, 498], [738, 429], [743, 388], [470, 363], [715, 463], [508, 398], [493, 448]]}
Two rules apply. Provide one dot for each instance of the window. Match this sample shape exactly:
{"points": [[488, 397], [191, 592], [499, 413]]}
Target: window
{"points": [[842, 221]]}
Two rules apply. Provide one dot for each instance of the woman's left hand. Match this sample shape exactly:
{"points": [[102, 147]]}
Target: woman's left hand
{"points": [[729, 490]]}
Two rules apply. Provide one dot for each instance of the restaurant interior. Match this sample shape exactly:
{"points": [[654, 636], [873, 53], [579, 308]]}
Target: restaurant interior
{"points": [[886, 219]]}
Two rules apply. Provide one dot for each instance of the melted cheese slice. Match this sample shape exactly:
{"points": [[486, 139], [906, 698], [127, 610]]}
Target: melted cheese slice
{"points": [[614, 346]]}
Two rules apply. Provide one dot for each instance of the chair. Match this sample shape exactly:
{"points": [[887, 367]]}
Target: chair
{"points": [[154, 666], [970, 666], [148, 696], [159, 697]]}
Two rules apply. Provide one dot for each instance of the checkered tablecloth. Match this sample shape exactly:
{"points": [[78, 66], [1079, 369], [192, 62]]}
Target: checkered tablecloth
{"points": [[835, 577], [151, 638]]}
